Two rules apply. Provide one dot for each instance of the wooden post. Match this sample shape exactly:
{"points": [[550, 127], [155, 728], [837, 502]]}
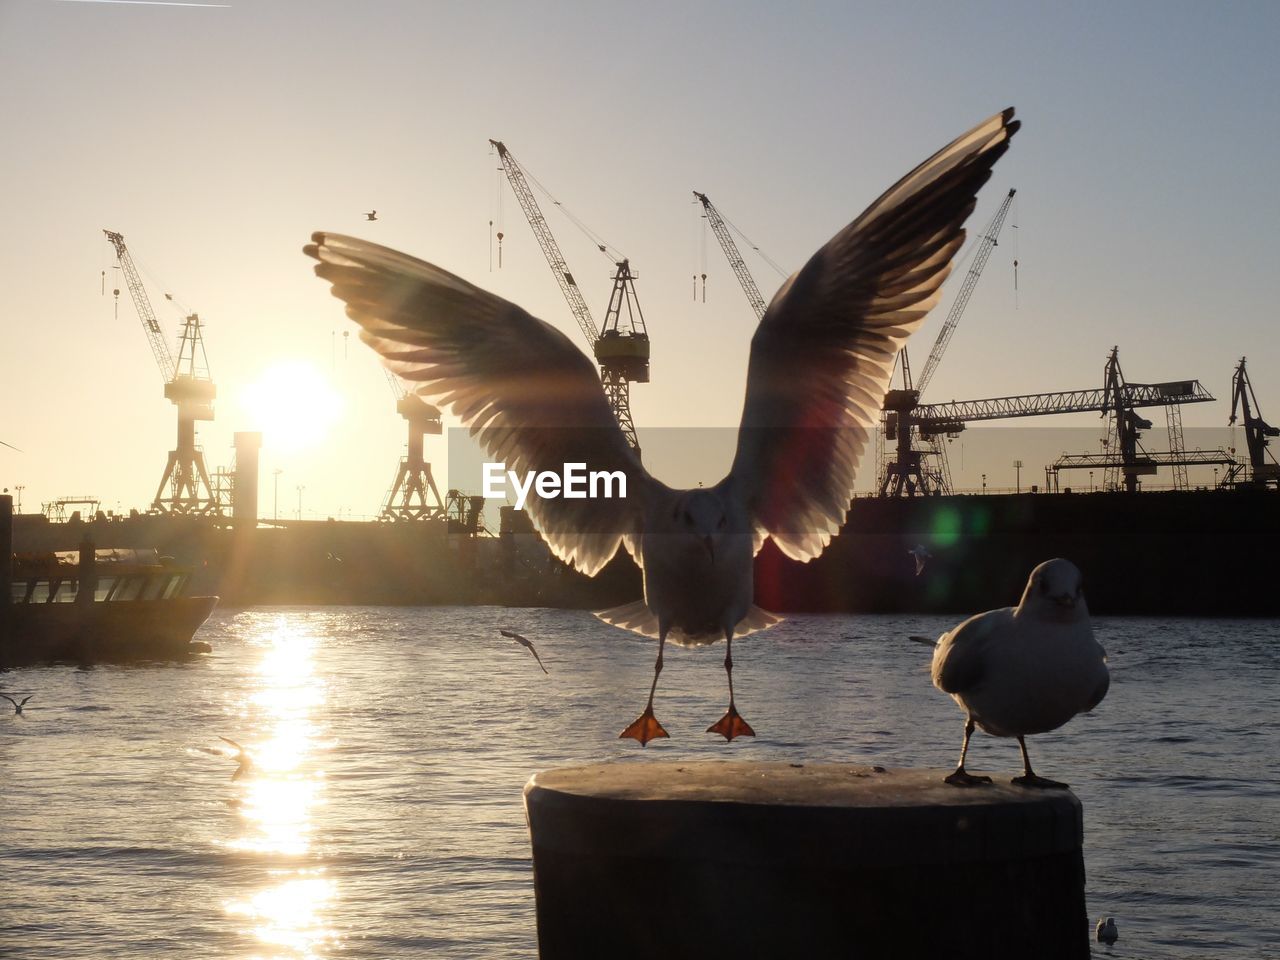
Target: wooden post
{"points": [[6, 559], [705, 859]]}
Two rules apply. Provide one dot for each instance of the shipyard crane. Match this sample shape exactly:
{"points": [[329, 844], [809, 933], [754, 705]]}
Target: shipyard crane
{"points": [[413, 494], [1116, 397], [986, 245], [184, 488], [621, 344], [736, 263], [906, 474], [1263, 469]]}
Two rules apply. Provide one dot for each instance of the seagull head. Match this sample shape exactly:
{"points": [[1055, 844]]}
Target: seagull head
{"points": [[1055, 590], [702, 515]]}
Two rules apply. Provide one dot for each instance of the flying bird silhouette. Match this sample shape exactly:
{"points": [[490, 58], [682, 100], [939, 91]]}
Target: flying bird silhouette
{"points": [[371, 215], [821, 359], [17, 704], [525, 642], [1026, 669], [245, 764], [920, 553]]}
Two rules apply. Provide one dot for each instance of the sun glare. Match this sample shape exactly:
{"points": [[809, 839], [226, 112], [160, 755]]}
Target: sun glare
{"points": [[293, 404]]}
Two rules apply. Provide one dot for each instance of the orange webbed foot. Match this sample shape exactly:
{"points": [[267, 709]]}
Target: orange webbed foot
{"points": [[644, 728], [731, 725]]}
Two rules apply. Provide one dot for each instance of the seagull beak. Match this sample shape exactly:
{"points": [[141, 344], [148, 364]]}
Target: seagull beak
{"points": [[711, 547]]}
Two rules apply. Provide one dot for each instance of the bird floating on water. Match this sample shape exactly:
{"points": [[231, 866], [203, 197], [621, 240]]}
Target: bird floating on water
{"points": [[1106, 931], [524, 642], [1026, 669], [821, 360], [17, 704]]}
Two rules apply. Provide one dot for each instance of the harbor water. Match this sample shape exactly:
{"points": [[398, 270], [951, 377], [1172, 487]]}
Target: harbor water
{"points": [[381, 814]]}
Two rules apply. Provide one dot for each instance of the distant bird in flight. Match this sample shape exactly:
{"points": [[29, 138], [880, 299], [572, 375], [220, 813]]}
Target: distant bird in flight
{"points": [[920, 553], [821, 359], [1106, 931], [245, 764], [524, 643], [371, 215], [17, 705], [1026, 669]]}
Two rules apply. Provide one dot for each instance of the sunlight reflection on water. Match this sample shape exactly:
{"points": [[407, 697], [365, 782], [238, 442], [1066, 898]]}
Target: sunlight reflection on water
{"points": [[382, 816], [290, 913]]}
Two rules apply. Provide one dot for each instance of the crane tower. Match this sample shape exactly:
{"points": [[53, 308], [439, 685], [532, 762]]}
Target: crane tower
{"points": [[1263, 470], [413, 494], [736, 263], [906, 473], [621, 344], [184, 488]]}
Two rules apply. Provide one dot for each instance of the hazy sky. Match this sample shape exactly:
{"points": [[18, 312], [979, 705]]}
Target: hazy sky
{"points": [[217, 139]]}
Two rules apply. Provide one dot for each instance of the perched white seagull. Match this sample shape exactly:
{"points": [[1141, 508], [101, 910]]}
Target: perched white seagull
{"points": [[821, 359], [524, 642], [1026, 669]]}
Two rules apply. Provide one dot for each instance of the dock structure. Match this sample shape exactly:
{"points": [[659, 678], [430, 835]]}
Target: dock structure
{"points": [[709, 859]]}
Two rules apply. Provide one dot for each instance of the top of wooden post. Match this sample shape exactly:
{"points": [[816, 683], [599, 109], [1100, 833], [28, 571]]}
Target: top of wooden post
{"points": [[795, 812]]}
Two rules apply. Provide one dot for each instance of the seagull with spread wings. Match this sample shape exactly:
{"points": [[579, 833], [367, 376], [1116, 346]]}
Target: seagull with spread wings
{"points": [[244, 762], [821, 359], [17, 704], [526, 643]]}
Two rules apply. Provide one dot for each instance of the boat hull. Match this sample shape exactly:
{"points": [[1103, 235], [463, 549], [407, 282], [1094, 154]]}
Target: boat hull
{"points": [[101, 632]]}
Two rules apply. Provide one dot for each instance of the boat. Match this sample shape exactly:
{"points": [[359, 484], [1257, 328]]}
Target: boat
{"points": [[99, 605]]}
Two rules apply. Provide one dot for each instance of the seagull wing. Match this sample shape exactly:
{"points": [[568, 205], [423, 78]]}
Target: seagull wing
{"points": [[511, 635], [959, 661], [25, 699], [822, 356], [239, 748], [10, 699], [530, 397], [536, 657]]}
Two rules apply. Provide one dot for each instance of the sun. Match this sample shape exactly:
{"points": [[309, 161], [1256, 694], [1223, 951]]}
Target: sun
{"points": [[293, 404]]}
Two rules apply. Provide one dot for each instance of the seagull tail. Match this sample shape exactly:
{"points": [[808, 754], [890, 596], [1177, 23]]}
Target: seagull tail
{"points": [[638, 618], [927, 641]]}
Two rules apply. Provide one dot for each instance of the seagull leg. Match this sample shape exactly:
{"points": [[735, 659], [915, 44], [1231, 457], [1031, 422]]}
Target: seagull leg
{"points": [[731, 724], [646, 726], [961, 778], [1029, 778]]}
